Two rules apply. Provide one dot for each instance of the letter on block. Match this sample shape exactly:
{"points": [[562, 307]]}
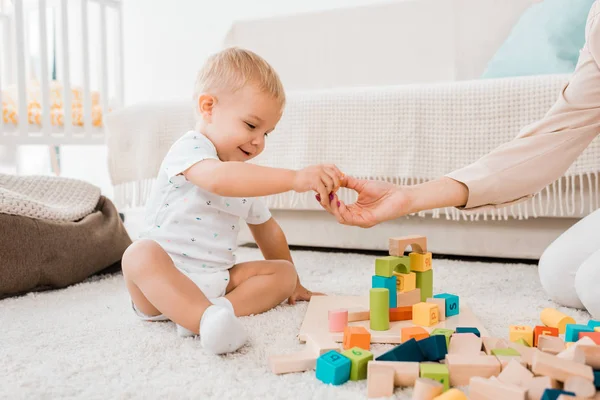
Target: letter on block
{"points": [[386, 283], [420, 262], [437, 372], [413, 332], [517, 332], [385, 266], [425, 314], [333, 368], [452, 303], [357, 336], [359, 359], [441, 303], [405, 282], [543, 330], [425, 283]]}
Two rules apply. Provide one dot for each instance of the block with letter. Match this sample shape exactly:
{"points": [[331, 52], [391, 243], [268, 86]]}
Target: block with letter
{"points": [[543, 330], [517, 332], [441, 303], [359, 359], [420, 262], [452, 303], [437, 372], [405, 282], [425, 314], [333, 368]]}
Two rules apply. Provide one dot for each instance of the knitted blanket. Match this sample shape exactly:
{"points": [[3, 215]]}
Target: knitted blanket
{"points": [[46, 197]]}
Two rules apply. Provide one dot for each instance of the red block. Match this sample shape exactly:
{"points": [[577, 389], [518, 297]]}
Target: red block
{"points": [[543, 330], [401, 313], [595, 336]]}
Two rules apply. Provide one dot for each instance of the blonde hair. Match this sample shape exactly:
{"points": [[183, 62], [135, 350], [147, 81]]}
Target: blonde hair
{"points": [[232, 69]]}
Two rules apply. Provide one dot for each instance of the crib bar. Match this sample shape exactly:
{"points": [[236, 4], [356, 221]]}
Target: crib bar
{"points": [[87, 101], [104, 60], [46, 124], [120, 81], [21, 82], [67, 106]]}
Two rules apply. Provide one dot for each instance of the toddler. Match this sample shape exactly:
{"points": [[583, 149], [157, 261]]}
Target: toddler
{"points": [[183, 268]]}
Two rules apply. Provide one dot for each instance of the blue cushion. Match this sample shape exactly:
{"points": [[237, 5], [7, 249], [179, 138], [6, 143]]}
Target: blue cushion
{"points": [[546, 40]]}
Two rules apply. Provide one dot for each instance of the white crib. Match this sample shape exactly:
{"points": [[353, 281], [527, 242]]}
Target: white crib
{"points": [[46, 45]]}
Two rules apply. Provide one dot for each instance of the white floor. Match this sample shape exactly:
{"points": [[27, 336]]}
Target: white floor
{"points": [[83, 342]]}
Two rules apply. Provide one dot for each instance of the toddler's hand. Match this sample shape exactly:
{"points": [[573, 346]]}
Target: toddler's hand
{"points": [[325, 179]]}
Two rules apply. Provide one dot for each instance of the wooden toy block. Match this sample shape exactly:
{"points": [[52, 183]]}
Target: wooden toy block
{"points": [[597, 379], [379, 282], [597, 329], [407, 351], [333, 368], [437, 372], [452, 394], [413, 332], [425, 314], [434, 348], [555, 319], [505, 360], [505, 352], [559, 369], [465, 343], [543, 330], [380, 380], [490, 344], [359, 359], [338, 320], [379, 305], [405, 282], [405, 373], [593, 324], [468, 329], [492, 389], [356, 336], [320, 343], [441, 303], [385, 266], [516, 374], [425, 283], [463, 367], [553, 394], [580, 386], [550, 344], [592, 355], [572, 331], [517, 332], [401, 313], [408, 298], [296, 362], [574, 353], [523, 342], [427, 389], [420, 261], [595, 336], [452, 303], [445, 332], [398, 245], [538, 385], [525, 351], [363, 315]]}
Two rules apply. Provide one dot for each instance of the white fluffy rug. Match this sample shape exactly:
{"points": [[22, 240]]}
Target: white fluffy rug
{"points": [[83, 342]]}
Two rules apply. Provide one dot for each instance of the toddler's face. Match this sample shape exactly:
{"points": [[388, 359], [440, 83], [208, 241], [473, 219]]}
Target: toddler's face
{"points": [[239, 122]]}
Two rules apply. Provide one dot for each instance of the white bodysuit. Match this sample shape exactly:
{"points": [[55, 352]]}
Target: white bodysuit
{"points": [[198, 229]]}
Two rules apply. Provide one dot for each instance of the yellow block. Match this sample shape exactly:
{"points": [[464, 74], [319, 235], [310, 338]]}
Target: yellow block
{"points": [[425, 314], [517, 332], [405, 282], [556, 319], [597, 329], [420, 262], [452, 394]]}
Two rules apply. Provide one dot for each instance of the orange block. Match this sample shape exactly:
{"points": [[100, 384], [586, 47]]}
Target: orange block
{"points": [[357, 336], [595, 336], [415, 332], [401, 313], [543, 330]]}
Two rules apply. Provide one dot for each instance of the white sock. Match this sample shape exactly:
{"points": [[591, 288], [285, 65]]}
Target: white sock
{"points": [[219, 301], [220, 331]]}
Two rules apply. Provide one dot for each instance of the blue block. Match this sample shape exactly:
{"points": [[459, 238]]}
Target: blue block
{"points": [[593, 323], [434, 347], [452, 304], [333, 368], [572, 332], [407, 351], [597, 379], [386, 283], [465, 329], [552, 394]]}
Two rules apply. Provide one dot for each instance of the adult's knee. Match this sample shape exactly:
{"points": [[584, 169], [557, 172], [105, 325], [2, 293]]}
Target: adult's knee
{"points": [[586, 284], [141, 256], [557, 274]]}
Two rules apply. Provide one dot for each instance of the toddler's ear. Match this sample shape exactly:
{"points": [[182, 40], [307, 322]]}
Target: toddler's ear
{"points": [[206, 102]]}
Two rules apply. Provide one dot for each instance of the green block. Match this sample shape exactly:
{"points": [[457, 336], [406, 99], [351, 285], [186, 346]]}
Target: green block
{"points": [[359, 358], [425, 283], [385, 266], [442, 331], [523, 342], [437, 372], [505, 352], [379, 307]]}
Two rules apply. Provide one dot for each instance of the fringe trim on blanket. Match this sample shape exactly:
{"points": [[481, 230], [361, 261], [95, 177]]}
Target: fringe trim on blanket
{"points": [[571, 195]]}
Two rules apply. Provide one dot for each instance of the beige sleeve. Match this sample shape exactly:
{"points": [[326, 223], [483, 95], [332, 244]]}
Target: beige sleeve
{"points": [[544, 150]]}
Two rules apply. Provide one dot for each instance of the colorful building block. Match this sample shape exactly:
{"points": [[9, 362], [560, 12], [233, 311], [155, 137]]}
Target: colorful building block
{"points": [[437, 372], [465, 343], [550, 344], [441, 303], [595, 336], [356, 336], [468, 329], [434, 348], [593, 324], [407, 351], [405, 282], [413, 332], [555, 319], [523, 342], [543, 330], [408, 298], [420, 262], [425, 314], [505, 352], [401, 313], [359, 359], [386, 283], [445, 332], [597, 379], [452, 303], [452, 394], [380, 380], [338, 320], [385, 266], [379, 306], [572, 331], [333, 368], [425, 283], [580, 386], [417, 243], [426, 388], [517, 332], [463, 367], [405, 373], [552, 394]]}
